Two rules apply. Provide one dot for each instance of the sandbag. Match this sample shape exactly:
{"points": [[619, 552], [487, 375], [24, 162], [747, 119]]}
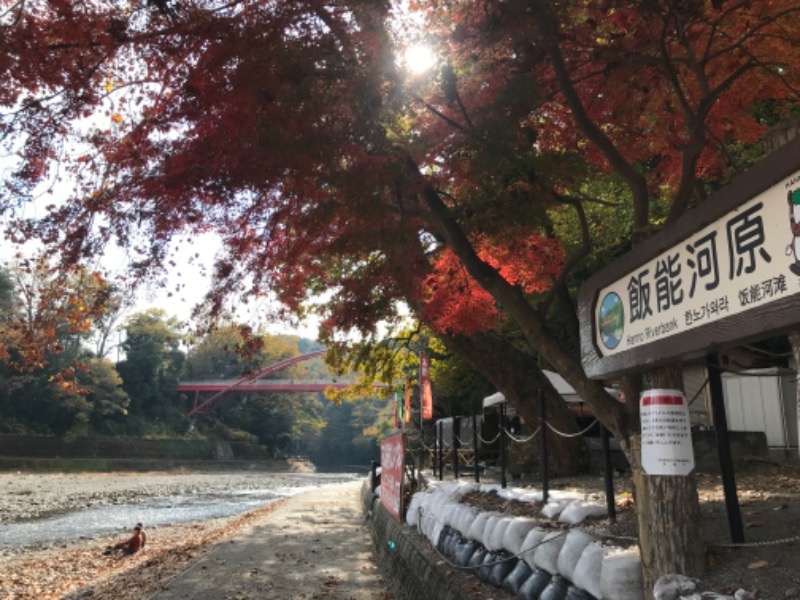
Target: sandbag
{"points": [[447, 513], [450, 540], [551, 510], [488, 529], [576, 593], [499, 531], [546, 555], [530, 545], [464, 550], [587, 571], [432, 528], [478, 524], [515, 580], [536, 584], [444, 536], [476, 560], [556, 589], [502, 569], [464, 518], [515, 533], [578, 511], [455, 539], [489, 562], [571, 551], [621, 575]]}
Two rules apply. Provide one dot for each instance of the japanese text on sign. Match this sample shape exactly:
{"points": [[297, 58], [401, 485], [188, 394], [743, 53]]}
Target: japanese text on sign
{"points": [[392, 467], [742, 261], [666, 433]]}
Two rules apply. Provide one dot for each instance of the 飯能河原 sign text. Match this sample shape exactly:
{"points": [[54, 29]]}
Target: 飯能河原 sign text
{"points": [[745, 258]]}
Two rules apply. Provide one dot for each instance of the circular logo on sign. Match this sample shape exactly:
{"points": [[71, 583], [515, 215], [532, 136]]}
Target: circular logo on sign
{"points": [[611, 320]]}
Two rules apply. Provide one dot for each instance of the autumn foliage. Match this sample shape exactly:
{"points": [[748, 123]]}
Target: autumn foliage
{"points": [[455, 303], [287, 128]]}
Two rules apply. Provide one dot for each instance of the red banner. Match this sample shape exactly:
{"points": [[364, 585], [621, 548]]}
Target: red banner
{"points": [[407, 401], [392, 467], [425, 393]]}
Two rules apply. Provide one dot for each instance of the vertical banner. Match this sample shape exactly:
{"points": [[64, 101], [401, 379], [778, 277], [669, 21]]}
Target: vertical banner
{"points": [[392, 468], [407, 401], [666, 433], [425, 393]]}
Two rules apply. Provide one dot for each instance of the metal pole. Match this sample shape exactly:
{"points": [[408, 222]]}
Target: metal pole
{"points": [[724, 447], [503, 482], [440, 451], [475, 442], [608, 474], [543, 425], [456, 444], [374, 477]]}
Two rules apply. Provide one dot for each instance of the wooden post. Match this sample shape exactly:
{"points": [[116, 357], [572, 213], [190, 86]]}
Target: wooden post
{"points": [[608, 473]]}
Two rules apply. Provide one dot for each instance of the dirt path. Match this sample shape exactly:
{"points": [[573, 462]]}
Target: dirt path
{"points": [[314, 545]]}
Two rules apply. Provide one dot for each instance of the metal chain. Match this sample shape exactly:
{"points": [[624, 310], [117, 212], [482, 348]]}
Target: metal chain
{"points": [[570, 435], [719, 545], [513, 438], [462, 442], [497, 437], [757, 544]]}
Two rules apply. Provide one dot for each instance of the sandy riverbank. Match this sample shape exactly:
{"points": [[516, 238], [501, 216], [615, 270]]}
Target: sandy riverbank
{"points": [[30, 495], [78, 569]]}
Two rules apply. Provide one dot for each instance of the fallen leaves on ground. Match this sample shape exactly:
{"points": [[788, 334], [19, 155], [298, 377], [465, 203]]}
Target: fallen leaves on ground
{"points": [[82, 570]]}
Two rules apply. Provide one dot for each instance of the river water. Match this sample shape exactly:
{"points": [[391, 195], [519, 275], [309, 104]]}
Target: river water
{"points": [[158, 511]]}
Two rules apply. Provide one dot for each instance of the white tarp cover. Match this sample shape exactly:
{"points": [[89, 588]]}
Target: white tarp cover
{"points": [[562, 387]]}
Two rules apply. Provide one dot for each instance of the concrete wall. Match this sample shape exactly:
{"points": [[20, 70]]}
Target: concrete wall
{"points": [[407, 561]]}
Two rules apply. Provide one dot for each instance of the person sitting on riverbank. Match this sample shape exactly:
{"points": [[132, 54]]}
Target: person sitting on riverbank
{"points": [[130, 546], [144, 535]]}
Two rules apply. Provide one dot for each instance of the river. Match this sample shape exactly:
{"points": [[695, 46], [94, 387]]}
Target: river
{"points": [[111, 518]]}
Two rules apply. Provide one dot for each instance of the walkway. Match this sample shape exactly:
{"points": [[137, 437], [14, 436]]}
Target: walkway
{"points": [[314, 545]]}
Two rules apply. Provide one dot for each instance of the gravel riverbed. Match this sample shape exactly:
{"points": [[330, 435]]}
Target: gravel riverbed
{"points": [[75, 568]]}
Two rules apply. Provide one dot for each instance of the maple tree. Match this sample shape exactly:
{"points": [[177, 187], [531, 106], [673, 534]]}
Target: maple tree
{"points": [[288, 128]]}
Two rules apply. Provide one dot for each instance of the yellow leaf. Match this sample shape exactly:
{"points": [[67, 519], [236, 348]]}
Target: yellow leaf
{"points": [[116, 117]]}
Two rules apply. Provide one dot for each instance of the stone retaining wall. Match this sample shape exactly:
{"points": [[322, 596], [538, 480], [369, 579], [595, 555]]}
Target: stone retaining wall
{"points": [[407, 562]]}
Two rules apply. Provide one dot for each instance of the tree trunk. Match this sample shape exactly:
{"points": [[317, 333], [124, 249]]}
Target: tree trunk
{"points": [[516, 375], [667, 507]]}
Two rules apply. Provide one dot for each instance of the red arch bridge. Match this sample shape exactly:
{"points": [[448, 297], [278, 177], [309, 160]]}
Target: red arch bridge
{"points": [[257, 383]]}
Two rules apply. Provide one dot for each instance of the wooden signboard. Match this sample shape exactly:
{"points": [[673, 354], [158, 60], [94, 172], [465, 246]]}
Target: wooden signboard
{"points": [[727, 271], [392, 469]]}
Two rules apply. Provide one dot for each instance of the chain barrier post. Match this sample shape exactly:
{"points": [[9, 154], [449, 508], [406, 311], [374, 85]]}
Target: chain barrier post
{"points": [[503, 481], [439, 452], [375, 478], [608, 473], [543, 419], [475, 453], [724, 447], [456, 444]]}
